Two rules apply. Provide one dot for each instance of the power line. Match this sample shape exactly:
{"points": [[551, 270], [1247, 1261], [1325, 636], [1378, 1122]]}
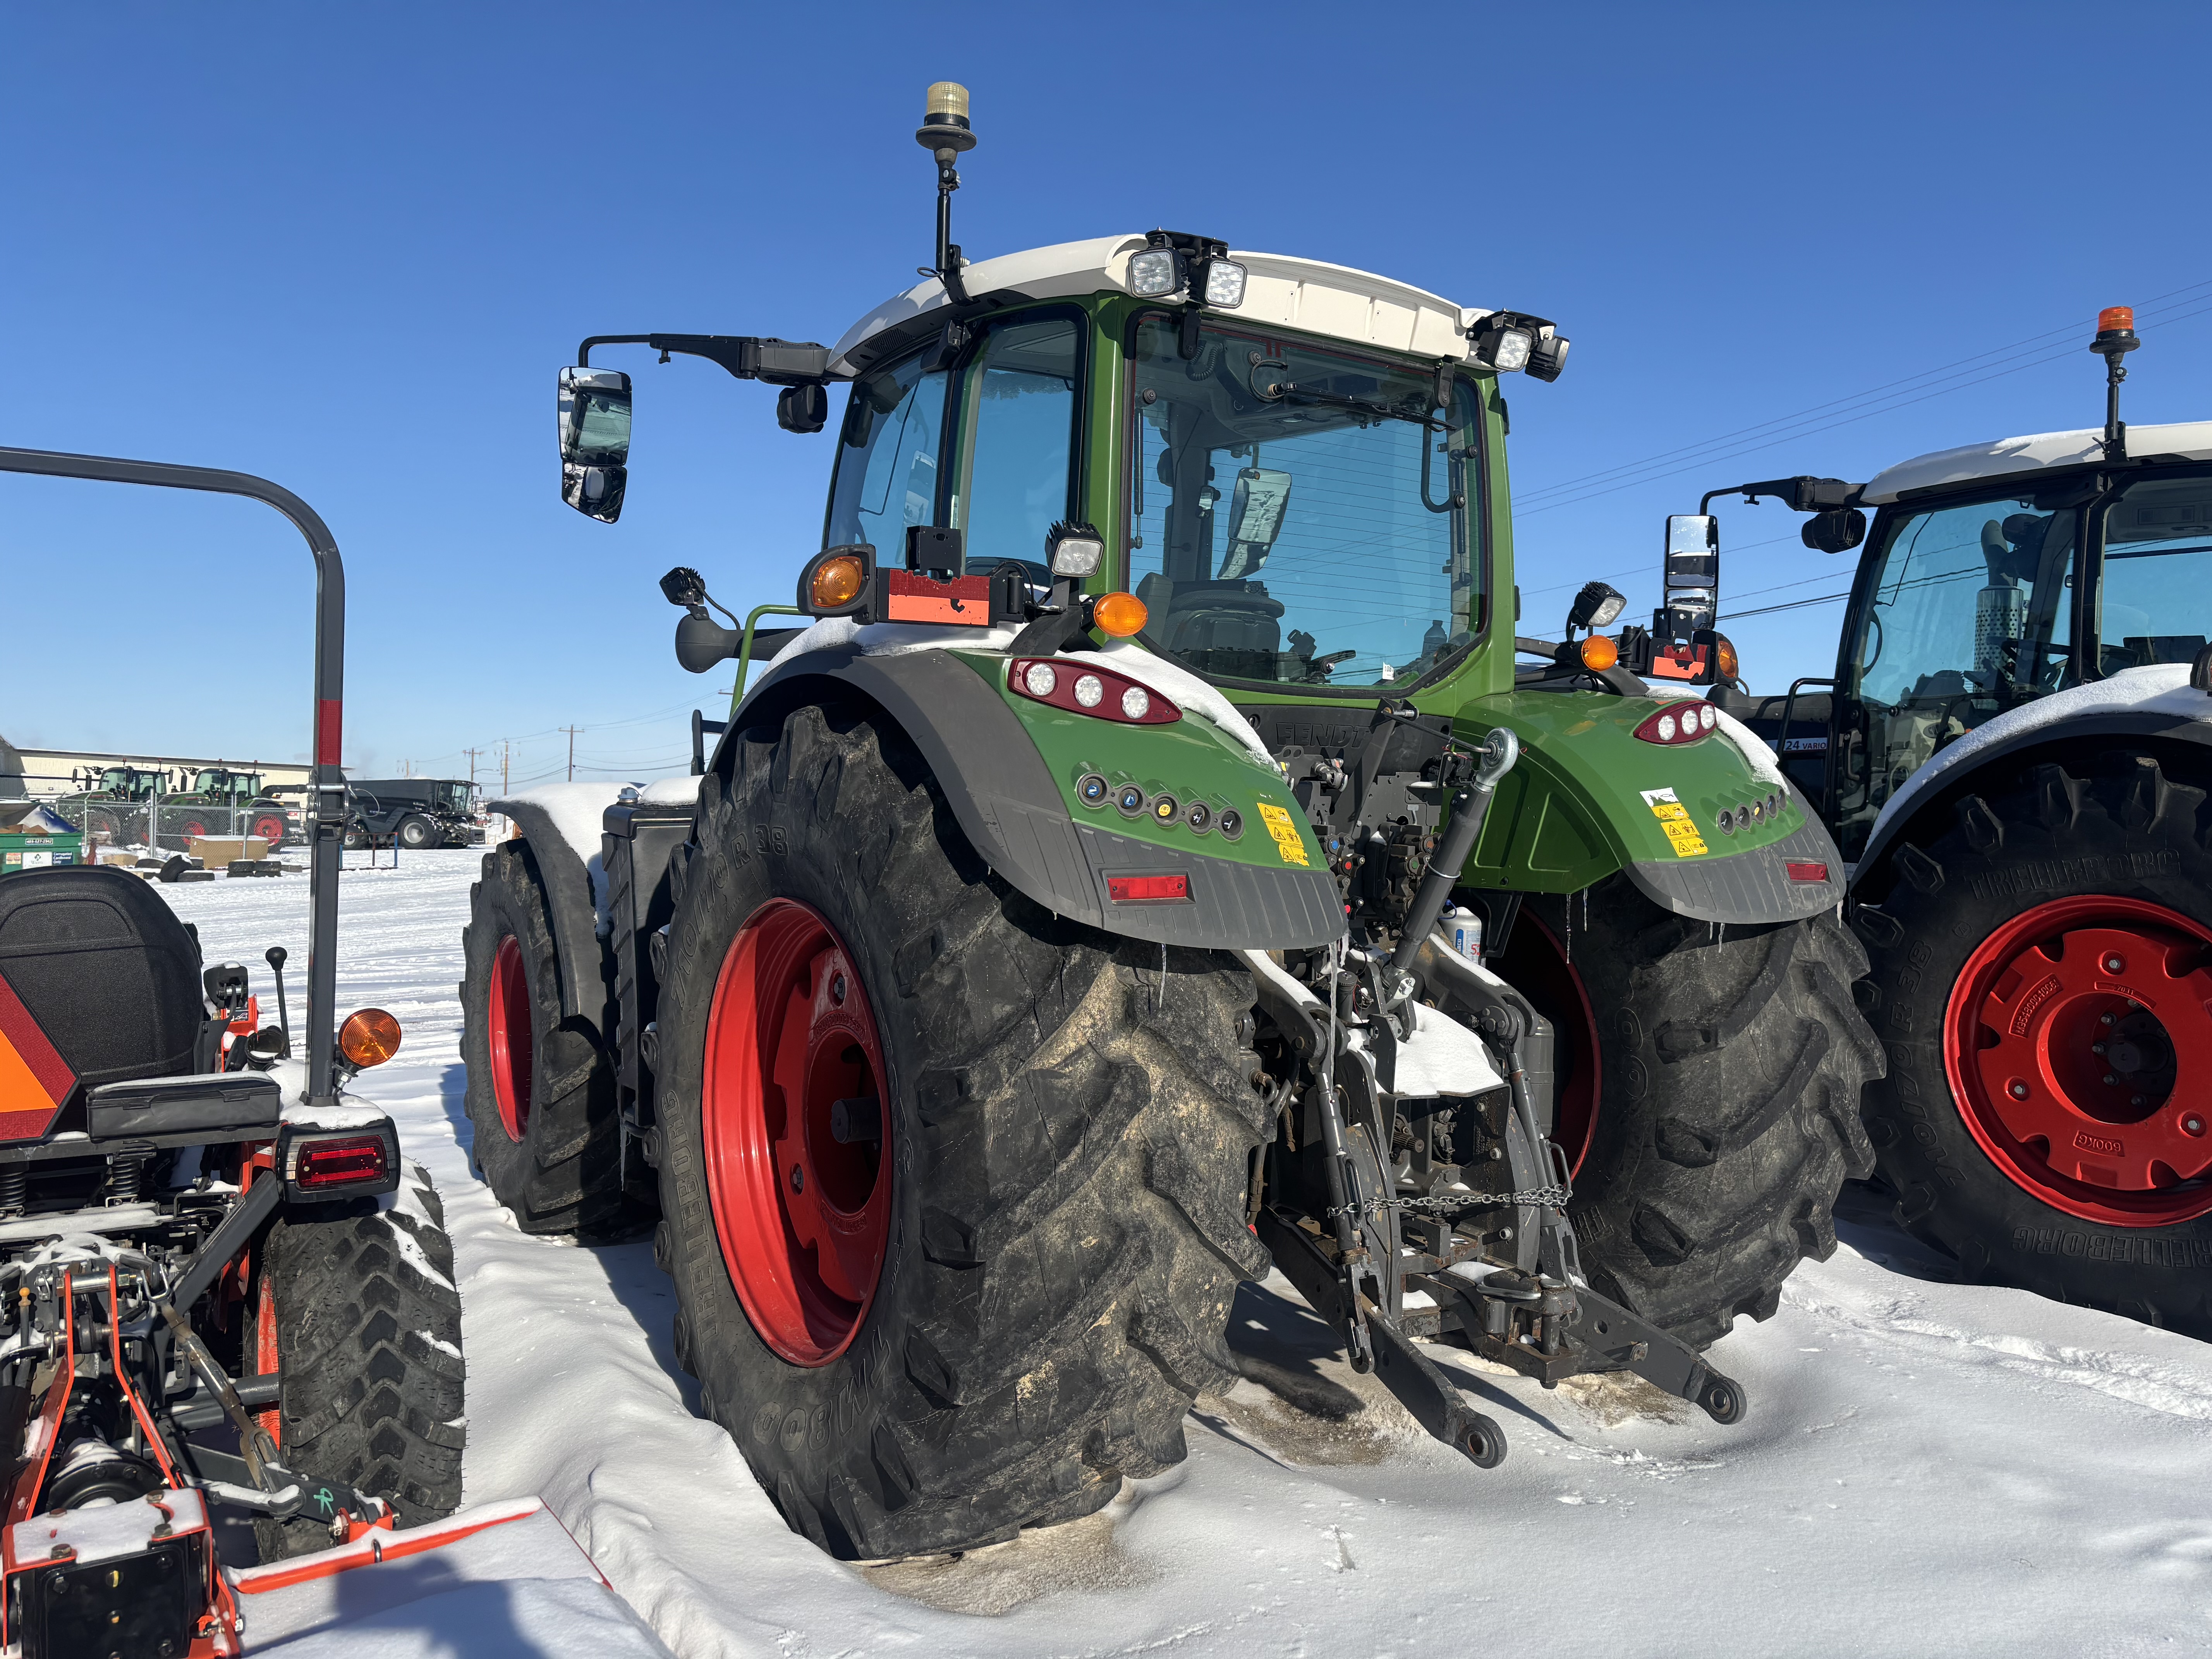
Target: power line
{"points": [[1882, 400]]}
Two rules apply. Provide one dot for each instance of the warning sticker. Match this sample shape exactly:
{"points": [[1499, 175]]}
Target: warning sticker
{"points": [[1675, 818], [1284, 830]]}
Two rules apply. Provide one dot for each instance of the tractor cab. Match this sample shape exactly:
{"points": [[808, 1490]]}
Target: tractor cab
{"points": [[125, 783], [221, 783]]}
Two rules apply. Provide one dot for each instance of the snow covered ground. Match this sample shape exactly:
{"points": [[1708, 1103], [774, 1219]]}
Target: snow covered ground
{"points": [[1925, 1468]]}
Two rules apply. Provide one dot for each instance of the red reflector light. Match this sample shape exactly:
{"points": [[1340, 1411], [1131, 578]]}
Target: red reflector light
{"points": [[1807, 872], [1085, 689], [1148, 889], [1684, 720], [341, 1162]]}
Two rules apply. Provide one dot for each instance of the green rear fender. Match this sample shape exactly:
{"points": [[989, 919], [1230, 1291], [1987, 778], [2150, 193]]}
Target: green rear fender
{"points": [[1589, 797], [1010, 766]]}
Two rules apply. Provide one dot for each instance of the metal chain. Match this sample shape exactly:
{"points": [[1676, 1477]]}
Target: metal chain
{"points": [[1543, 1197]]}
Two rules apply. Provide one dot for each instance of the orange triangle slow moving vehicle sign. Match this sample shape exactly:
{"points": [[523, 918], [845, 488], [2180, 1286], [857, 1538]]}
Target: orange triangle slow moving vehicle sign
{"points": [[35, 1080]]}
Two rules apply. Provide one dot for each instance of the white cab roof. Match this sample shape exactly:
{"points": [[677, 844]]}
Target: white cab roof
{"points": [[2192, 439], [1305, 294]]}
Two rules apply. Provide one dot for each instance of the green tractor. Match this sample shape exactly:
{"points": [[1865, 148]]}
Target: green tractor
{"points": [[223, 801], [116, 804], [1150, 862]]}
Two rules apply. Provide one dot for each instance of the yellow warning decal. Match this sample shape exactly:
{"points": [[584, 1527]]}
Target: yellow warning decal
{"points": [[1675, 818], [1284, 830]]}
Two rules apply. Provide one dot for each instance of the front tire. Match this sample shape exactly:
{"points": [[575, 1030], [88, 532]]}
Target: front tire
{"points": [[2035, 1122], [541, 1090], [1066, 1134], [415, 832], [1729, 1063], [359, 1313]]}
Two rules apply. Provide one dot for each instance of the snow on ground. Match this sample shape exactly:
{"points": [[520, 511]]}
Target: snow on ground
{"points": [[1926, 1467]]}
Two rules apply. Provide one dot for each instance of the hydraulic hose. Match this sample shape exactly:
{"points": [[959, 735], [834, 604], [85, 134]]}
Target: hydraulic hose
{"points": [[1470, 805]]}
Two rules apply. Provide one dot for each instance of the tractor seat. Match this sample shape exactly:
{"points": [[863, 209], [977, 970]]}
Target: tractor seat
{"points": [[1223, 616], [99, 983]]}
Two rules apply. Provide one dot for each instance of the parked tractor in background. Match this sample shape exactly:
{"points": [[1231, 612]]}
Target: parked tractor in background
{"points": [[115, 806], [2015, 751], [222, 801], [1149, 863]]}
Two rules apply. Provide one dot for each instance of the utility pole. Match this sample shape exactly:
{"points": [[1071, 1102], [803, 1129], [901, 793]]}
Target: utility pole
{"points": [[572, 731], [473, 754], [506, 752]]}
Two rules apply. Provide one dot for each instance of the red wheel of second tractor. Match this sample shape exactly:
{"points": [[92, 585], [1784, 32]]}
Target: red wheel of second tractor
{"points": [[507, 1026], [2066, 1038], [803, 1212], [271, 828]]}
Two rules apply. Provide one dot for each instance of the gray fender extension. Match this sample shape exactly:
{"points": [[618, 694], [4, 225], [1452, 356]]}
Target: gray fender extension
{"points": [[584, 992], [1016, 819]]}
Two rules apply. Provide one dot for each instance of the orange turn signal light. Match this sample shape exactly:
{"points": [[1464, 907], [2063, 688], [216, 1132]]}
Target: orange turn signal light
{"points": [[1600, 652], [369, 1037], [1724, 656], [1118, 614], [837, 582]]}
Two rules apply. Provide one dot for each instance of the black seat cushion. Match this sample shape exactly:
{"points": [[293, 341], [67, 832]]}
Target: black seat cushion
{"points": [[100, 962]]}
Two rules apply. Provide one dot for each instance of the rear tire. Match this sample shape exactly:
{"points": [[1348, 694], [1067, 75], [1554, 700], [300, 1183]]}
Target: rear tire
{"points": [[367, 1329], [1728, 1113], [547, 1133], [1068, 1135], [416, 832], [2035, 842]]}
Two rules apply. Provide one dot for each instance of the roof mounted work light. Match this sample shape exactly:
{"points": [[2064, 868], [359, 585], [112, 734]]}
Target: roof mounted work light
{"points": [[1172, 262], [1506, 341]]}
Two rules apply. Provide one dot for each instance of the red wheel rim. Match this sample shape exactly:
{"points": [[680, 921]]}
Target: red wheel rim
{"points": [[269, 829], [509, 1019], [193, 827], [804, 1220], [2061, 999], [1533, 962]]}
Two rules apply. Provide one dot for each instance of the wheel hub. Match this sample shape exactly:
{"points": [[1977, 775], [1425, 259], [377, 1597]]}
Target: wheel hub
{"points": [[797, 1138], [2066, 1036]]}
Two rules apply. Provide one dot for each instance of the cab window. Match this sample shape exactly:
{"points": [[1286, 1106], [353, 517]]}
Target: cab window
{"points": [[2155, 602], [1020, 409]]}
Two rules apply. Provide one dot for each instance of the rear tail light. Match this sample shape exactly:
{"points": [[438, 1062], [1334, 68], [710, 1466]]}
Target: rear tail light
{"points": [[1807, 872], [1678, 722], [333, 1161], [1080, 689], [1148, 889]]}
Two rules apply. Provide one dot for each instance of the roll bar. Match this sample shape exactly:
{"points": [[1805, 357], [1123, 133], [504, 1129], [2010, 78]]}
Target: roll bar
{"points": [[327, 783]]}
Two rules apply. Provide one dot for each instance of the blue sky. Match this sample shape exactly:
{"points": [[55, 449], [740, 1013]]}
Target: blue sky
{"points": [[347, 248]]}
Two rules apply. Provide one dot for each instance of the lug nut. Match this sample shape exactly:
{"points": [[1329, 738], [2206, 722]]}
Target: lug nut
{"points": [[2109, 1078], [2192, 1125], [2104, 1019], [837, 988], [2019, 1090], [797, 1179], [2096, 1048]]}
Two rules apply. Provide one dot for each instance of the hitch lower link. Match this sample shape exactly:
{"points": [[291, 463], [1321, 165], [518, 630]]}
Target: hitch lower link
{"points": [[1538, 1324]]}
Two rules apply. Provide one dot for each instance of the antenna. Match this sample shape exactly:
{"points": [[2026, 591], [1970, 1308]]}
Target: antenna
{"points": [[945, 133], [2116, 337]]}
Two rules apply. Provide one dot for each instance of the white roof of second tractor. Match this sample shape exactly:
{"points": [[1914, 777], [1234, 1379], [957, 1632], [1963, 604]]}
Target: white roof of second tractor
{"points": [[1305, 294], [2190, 439]]}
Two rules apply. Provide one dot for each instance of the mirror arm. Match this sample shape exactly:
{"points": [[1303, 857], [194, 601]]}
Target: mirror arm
{"points": [[747, 356]]}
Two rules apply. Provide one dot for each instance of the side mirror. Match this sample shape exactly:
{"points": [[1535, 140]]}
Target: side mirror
{"points": [[1690, 578], [700, 642], [594, 428], [1838, 529]]}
